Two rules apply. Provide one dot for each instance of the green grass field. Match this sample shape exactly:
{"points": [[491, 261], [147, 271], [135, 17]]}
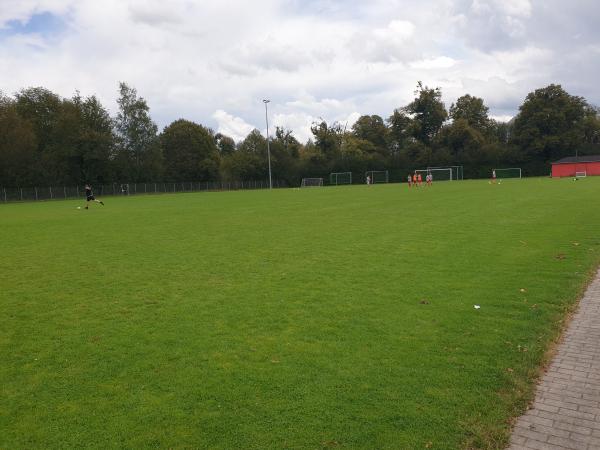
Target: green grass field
{"points": [[291, 319]]}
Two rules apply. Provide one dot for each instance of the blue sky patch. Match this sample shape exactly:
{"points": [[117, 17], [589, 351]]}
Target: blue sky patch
{"points": [[43, 23]]}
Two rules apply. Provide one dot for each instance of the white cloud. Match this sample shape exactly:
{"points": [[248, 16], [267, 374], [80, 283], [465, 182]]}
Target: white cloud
{"points": [[441, 62], [501, 118], [518, 8], [232, 126], [213, 62]]}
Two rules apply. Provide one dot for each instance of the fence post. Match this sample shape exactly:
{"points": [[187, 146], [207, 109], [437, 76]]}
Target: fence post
{"points": [[65, 189], [36, 196], [5, 201], [21, 189], [51, 193], [77, 188]]}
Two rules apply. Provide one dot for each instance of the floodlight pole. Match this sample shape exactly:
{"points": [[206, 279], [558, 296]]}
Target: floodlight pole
{"points": [[265, 101]]}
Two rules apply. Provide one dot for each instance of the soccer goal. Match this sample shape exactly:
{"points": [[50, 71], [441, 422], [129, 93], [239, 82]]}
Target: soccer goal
{"points": [[312, 182], [337, 178], [378, 176], [457, 171], [512, 172], [580, 174], [437, 174]]}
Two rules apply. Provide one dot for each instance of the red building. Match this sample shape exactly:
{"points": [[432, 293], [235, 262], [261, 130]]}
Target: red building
{"points": [[569, 167]]}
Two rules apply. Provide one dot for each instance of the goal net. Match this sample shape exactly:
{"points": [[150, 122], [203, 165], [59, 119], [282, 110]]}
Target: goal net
{"points": [[580, 174], [336, 178], [437, 174], [378, 176], [312, 182], [457, 171], [512, 172]]}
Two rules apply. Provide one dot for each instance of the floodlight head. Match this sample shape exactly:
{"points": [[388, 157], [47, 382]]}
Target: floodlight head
{"points": [[266, 101]]}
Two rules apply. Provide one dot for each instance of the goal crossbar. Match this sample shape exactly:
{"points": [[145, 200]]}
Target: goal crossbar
{"points": [[378, 176], [445, 170], [457, 171], [312, 182], [337, 178]]}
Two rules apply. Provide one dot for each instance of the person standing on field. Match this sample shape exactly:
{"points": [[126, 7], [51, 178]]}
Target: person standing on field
{"points": [[368, 180], [415, 180], [89, 195], [420, 179], [409, 179]]}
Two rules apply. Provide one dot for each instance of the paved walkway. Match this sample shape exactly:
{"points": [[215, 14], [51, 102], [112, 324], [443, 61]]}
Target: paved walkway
{"points": [[566, 411]]}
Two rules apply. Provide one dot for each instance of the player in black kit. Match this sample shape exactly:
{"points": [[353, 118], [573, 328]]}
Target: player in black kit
{"points": [[90, 196]]}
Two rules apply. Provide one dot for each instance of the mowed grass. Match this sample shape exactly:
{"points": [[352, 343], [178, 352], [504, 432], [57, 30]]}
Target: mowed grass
{"points": [[292, 319]]}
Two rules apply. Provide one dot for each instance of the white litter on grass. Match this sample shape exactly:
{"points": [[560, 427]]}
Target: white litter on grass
{"points": [[476, 306]]}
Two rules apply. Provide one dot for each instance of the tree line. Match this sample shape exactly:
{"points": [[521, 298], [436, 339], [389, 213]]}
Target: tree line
{"points": [[47, 140]]}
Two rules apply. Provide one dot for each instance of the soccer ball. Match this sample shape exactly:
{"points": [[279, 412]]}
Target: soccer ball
{"points": [[79, 207]]}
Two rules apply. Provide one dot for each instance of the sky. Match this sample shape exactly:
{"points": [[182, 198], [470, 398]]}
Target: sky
{"points": [[213, 62]]}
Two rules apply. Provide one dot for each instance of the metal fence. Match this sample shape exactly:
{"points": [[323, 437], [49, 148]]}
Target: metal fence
{"points": [[24, 194]]}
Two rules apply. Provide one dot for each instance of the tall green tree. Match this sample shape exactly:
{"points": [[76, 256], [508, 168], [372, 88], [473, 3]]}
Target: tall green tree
{"points": [[190, 152], [473, 110], [399, 130], [249, 161], [225, 144], [96, 140], [138, 150], [83, 141], [591, 130], [464, 142], [428, 113], [19, 164], [550, 124], [328, 138], [372, 129], [285, 151], [42, 108]]}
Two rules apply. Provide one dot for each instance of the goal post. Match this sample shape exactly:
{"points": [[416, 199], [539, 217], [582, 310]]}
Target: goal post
{"points": [[378, 176], [457, 171], [437, 174], [510, 172], [337, 178], [312, 182], [582, 174]]}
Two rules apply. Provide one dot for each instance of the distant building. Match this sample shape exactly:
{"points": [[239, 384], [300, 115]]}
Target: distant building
{"points": [[573, 165]]}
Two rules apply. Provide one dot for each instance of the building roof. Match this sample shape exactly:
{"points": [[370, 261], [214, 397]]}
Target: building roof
{"points": [[578, 159]]}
